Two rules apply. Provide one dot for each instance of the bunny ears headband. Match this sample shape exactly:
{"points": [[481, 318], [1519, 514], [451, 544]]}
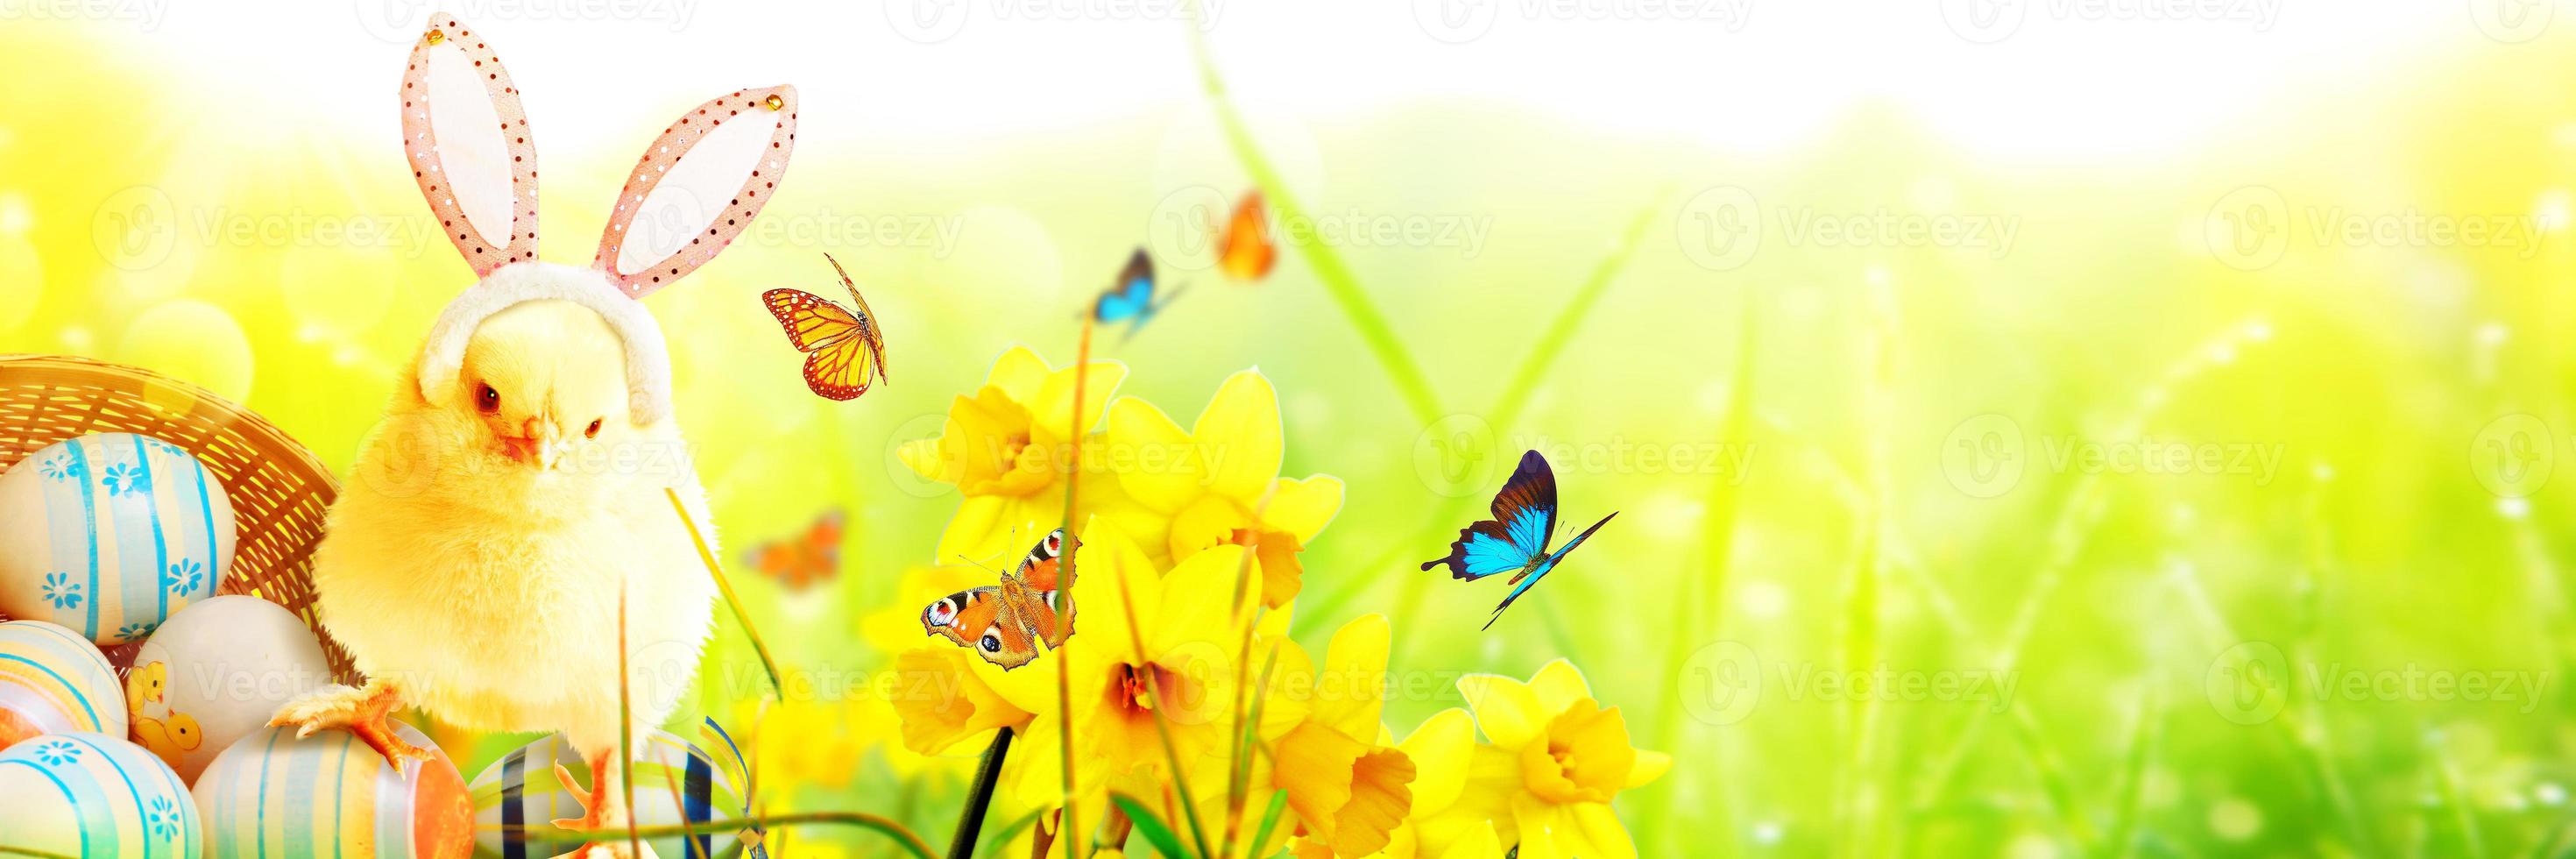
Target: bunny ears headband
{"points": [[697, 187]]}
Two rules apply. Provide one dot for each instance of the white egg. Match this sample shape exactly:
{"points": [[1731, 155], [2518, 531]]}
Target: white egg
{"points": [[215, 673], [108, 534]]}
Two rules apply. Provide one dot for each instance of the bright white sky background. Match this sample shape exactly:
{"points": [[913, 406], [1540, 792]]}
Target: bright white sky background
{"points": [[2049, 79]]}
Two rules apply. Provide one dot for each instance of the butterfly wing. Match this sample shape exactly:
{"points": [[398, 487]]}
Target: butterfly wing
{"points": [[1543, 569], [843, 347], [1524, 514], [868, 329], [1051, 611], [963, 617], [1245, 251], [1132, 296]]}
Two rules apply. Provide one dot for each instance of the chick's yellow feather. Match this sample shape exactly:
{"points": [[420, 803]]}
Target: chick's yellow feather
{"points": [[474, 560]]}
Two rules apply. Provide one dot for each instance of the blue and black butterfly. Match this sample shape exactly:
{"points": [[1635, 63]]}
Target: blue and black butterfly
{"points": [[1515, 540], [1131, 299]]}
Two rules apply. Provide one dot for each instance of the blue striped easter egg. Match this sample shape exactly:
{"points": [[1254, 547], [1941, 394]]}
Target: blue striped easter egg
{"points": [[92, 795], [674, 781], [52, 681], [108, 534], [273, 796]]}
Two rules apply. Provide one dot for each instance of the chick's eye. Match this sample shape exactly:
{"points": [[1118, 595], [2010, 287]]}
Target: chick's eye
{"points": [[488, 399], [593, 431]]}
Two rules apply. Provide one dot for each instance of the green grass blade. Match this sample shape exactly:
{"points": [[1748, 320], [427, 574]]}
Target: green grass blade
{"points": [[1156, 832], [2122, 842], [1550, 344], [1343, 287], [1269, 819], [1706, 586]]}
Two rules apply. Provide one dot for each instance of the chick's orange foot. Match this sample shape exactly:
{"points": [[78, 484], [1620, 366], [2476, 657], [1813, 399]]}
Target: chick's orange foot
{"points": [[601, 820], [365, 712]]}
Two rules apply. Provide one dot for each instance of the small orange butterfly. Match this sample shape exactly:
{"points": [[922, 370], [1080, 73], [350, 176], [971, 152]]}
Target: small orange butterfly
{"points": [[1005, 623], [846, 350], [806, 559], [1244, 249]]}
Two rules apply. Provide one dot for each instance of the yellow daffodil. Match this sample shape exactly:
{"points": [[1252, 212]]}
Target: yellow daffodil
{"points": [[1008, 450], [1554, 761], [1217, 483], [1190, 626], [1348, 788]]}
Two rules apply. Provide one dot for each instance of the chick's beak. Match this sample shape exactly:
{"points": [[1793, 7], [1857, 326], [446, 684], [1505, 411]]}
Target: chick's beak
{"points": [[537, 444]]}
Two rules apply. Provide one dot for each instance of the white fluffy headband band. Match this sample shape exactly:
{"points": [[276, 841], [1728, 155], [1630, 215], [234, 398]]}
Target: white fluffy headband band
{"points": [[697, 187]]}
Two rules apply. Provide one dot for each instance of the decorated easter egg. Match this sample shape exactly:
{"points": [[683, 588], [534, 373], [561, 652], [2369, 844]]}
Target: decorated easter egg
{"points": [[110, 533], [674, 782], [52, 681], [216, 672], [88, 794], [273, 796]]}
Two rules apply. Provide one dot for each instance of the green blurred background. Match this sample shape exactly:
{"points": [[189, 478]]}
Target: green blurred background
{"points": [[2152, 412]]}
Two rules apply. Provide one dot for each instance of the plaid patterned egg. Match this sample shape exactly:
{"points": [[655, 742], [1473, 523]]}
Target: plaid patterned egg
{"points": [[88, 794], [52, 681], [108, 534], [272, 796]]}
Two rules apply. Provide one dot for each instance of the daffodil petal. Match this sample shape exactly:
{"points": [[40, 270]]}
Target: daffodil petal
{"points": [[1303, 507], [1198, 605], [1505, 708], [1440, 749], [1541, 825], [1593, 831], [1051, 411], [1650, 766], [1478, 843], [1019, 372], [1558, 685], [1157, 464], [1351, 691], [1241, 435]]}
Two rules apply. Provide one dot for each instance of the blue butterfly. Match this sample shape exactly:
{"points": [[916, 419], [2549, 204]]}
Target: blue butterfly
{"points": [[1131, 299], [1515, 540]]}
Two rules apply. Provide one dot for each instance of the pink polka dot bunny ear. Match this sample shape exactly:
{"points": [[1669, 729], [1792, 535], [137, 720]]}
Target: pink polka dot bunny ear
{"points": [[469, 146], [698, 187]]}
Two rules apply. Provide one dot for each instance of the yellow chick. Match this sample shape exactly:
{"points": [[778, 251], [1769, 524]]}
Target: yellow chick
{"points": [[473, 565]]}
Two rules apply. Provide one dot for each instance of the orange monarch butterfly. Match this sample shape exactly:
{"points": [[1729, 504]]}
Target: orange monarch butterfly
{"points": [[846, 351], [805, 559], [1244, 249]]}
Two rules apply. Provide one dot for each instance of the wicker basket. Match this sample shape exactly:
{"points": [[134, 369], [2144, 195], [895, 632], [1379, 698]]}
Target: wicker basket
{"points": [[279, 491]]}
